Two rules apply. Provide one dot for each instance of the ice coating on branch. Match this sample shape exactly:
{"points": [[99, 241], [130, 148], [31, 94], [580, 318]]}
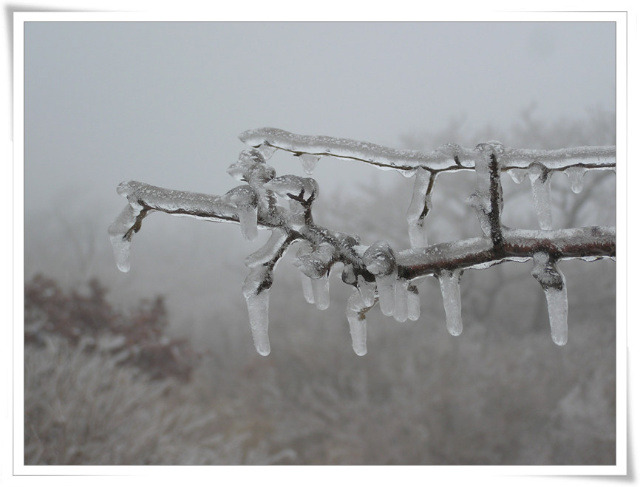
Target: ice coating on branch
{"points": [[401, 305], [120, 241], [269, 251], [555, 291], [487, 161], [541, 192], [384, 157], [413, 303], [309, 162], [320, 288], [256, 292], [419, 208], [575, 175], [357, 323], [245, 200], [517, 174], [450, 287], [367, 291]]}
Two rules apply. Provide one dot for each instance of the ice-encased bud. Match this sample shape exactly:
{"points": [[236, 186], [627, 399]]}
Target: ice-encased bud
{"points": [[294, 187], [315, 264], [379, 259], [247, 160]]}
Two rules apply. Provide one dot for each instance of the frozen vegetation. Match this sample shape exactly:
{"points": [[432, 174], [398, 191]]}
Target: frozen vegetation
{"points": [[283, 204]]}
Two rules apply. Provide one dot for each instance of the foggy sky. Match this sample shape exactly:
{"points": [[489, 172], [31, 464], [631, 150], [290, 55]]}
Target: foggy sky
{"points": [[164, 102]]}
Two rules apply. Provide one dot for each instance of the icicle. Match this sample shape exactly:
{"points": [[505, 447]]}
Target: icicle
{"points": [[321, 291], [120, 243], [309, 162], [248, 222], [357, 323], [386, 293], [413, 303], [401, 307], [419, 207], [307, 288], [256, 293], [557, 304], [450, 287], [517, 174], [575, 175], [269, 250], [541, 190], [555, 291], [367, 291], [267, 150]]}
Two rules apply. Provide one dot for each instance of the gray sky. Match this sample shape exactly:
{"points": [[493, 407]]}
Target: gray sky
{"points": [[164, 102]]}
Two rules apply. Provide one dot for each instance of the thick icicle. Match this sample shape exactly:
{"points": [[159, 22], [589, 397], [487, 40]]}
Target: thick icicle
{"points": [[575, 175], [256, 293], [321, 291], [450, 287], [357, 323], [309, 162], [413, 303], [367, 291], [248, 222], [269, 250], [386, 293], [419, 208], [120, 241], [307, 288], [517, 174], [555, 291], [401, 307], [541, 191]]}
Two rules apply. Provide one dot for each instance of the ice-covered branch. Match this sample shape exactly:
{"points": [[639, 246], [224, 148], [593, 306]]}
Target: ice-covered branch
{"points": [[449, 157], [378, 273], [518, 245]]}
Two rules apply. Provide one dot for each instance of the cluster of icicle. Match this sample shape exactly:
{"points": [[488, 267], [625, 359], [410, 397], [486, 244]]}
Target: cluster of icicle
{"points": [[283, 205]]}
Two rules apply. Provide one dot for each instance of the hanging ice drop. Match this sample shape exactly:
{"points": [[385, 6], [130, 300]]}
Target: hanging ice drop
{"points": [[309, 162], [576, 177], [413, 303], [321, 291], [386, 293], [401, 308]]}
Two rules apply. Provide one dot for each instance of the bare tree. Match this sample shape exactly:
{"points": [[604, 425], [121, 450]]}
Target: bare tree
{"points": [[379, 273]]}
